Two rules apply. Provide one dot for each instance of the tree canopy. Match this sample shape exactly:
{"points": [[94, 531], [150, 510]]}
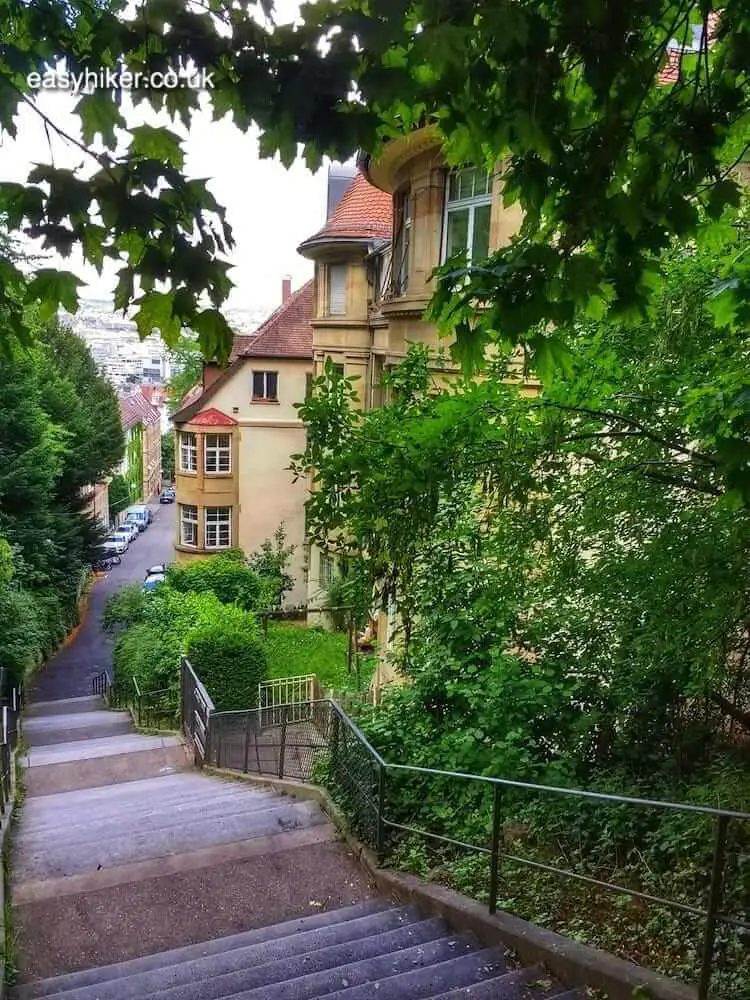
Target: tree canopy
{"points": [[607, 163]]}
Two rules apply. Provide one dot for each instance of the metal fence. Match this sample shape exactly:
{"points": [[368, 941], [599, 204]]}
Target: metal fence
{"points": [[325, 746], [196, 709], [294, 693], [11, 698], [150, 709]]}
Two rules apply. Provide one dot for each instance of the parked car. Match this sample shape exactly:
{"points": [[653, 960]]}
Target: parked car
{"points": [[115, 543], [166, 496], [159, 570], [152, 582], [124, 533], [130, 526]]}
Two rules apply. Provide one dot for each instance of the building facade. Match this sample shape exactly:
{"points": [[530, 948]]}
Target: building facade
{"points": [[141, 466], [234, 437], [400, 218]]}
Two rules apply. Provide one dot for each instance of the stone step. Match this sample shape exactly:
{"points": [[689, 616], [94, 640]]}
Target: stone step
{"points": [[204, 949], [64, 706], [110, 770], [424, 971], [39, 858], [224, 973], [135, 798], [60, 729], [108, 824], [60, 753], [522, 984]]}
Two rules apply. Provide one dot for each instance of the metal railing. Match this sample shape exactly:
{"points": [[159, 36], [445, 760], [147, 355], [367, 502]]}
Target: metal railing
{"points": [[150, 709], [295, 693], [196, 709], [327, 747], [11, 699]]}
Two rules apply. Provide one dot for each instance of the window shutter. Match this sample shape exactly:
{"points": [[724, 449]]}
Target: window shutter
{"points": [[336, 289]]}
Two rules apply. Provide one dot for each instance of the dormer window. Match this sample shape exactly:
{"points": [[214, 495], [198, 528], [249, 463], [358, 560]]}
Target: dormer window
{"points": [[468, 205], [401, 241], [336, 289]]}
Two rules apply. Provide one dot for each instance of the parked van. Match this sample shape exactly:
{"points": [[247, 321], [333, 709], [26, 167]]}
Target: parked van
{"points": [[139, 514]]}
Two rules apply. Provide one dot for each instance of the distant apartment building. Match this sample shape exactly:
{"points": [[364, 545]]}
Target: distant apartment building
{"points": [[141, 467]]}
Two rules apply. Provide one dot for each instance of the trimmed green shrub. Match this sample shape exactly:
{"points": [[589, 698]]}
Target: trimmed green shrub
{"points": [[227, 576], [231, 663]]}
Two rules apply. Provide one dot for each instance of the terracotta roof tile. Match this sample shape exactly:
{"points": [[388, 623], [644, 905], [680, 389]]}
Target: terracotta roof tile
{"points": [[191, 395], [136, 409], [213, 418], [285, 334], [364, 212]]}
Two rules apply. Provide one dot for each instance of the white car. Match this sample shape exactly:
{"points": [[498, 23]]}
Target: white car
{"points": [[151, 582], [130, 526], [123, 533], [115, 543]]}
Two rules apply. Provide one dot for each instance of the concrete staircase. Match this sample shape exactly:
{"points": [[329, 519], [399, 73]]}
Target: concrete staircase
{"points": [[136, 877]]}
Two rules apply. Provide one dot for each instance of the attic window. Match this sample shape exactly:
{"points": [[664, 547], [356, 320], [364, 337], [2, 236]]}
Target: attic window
{"points": [[336, 290], [266, 386]]}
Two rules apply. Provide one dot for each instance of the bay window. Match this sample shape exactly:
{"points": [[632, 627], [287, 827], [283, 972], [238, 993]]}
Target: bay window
{"points": [[188, 452], [218, 453], [188, 525], [218, 527], [401, 241], [468, 206]]}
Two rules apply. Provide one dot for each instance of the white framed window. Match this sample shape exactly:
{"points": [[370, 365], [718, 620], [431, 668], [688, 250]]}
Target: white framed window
{"points": [[266, 386], [326, 574], [188, 452], [468, 205], [401, 242], [218, 527], [336, 289], [188, 524], [217, 453]]}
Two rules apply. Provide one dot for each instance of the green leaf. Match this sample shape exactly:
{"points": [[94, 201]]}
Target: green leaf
{"points": [[155, 314], [214, 334], [52, 289], [157, 144], [99, 115]]}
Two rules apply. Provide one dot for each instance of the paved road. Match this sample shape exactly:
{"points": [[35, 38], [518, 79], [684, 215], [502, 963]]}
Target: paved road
{"points": [[70, 672]]}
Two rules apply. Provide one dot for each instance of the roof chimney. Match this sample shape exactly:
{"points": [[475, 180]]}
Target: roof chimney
{"points": [[286, 289], [211, 372]]}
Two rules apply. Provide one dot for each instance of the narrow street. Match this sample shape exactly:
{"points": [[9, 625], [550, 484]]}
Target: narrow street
{"points": [[69, 673]]}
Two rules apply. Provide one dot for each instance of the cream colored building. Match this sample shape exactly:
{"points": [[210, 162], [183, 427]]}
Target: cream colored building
{"points": [[234, 438], [403, 215]]}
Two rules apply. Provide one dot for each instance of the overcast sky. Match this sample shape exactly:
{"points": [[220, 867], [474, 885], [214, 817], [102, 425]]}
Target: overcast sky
{"points": [[270, 209]]}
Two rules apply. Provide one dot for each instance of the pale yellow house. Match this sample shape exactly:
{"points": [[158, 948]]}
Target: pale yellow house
{"points": [[234, 438]]}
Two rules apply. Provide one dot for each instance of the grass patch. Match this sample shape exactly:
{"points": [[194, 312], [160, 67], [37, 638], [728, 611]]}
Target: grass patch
{"points": [[293, 650]]}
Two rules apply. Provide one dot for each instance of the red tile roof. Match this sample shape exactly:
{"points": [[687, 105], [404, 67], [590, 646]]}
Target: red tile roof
{"points": [[192, 394], [213, 418], [136, 409], [285, 334], [671, 70], [364, 212]]}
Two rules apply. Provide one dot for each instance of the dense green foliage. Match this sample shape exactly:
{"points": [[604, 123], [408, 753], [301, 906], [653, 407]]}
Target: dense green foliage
{"points": [[230, 660], [167, 457], [227, 575], [161, 626], [568, 575], [121, 496], [134, 463], [606, 163], [59, 432]]}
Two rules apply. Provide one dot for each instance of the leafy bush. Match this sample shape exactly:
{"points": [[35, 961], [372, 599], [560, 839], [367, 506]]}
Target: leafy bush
{"points": [[231, 663], [150, 655], [227, 576], [125, 607]]}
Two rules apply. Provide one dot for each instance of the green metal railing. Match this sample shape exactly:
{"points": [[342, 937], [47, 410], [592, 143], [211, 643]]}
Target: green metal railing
{"points": [[150, 709], [328, 747]]}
